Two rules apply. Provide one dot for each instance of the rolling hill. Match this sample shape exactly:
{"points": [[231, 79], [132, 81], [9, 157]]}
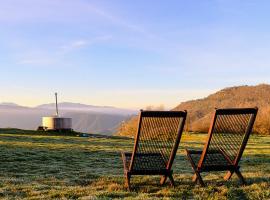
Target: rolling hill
{"points": [[201, 110]]}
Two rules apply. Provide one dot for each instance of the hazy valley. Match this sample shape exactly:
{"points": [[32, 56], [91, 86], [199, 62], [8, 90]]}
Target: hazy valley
{"points": [[86, 118]]}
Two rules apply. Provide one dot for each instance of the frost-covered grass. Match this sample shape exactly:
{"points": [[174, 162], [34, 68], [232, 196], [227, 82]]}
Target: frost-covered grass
{"points": [[67, 167]]}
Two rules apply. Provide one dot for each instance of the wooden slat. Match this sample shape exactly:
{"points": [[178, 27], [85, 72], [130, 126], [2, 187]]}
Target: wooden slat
{"points": [[177, 141], [236, 111], [163, 114], [136, 143], [206, 146], [247, 134]]}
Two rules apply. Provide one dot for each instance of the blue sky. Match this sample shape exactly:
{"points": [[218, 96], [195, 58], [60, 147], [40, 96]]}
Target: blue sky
{"points": [[128, 53]]}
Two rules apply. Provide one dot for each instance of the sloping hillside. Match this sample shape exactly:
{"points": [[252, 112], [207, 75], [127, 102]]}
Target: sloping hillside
{"points": [[128, 128], [201, 110]]}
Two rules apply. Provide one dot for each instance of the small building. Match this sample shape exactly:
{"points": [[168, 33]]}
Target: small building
{"points": [[57, 123]]}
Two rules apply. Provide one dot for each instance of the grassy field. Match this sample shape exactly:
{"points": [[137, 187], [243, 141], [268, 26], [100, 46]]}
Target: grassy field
{"points": [[67, 167]]}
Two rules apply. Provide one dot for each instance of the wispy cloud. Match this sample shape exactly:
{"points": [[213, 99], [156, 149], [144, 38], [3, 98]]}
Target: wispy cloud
{"points": [[35, 61], [120, 21], [55, 11], [78, 44], [83, 43], [47, 57], [34, 56]]}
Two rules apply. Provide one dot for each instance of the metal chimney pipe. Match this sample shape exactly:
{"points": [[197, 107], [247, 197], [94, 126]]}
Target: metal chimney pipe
{"points": [[56, 105]]}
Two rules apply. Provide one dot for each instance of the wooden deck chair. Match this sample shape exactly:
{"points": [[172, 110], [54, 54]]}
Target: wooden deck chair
{"points": [[156, 144], [226, 141]]}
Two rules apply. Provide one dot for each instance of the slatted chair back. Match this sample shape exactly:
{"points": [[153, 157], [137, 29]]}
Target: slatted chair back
{"points": [[229, 133], [159, 133]]}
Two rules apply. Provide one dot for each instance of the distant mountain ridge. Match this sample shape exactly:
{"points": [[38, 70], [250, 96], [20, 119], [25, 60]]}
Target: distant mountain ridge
{"points": [[200, 111], [11, 105], [87, 108], [8, 104], [70, 105]]}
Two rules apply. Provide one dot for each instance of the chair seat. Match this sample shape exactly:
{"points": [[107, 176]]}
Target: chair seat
{"points": [[214, 160], [145, 163]]}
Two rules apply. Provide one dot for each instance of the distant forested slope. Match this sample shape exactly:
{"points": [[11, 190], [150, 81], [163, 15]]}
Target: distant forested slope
{"points": [[201, 110]]}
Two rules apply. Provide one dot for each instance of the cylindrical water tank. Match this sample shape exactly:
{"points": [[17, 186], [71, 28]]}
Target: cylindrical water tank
{"points": [[57, 123]]}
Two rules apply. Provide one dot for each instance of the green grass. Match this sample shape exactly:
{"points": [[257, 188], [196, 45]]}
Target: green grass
{"points": [[66, 167]]}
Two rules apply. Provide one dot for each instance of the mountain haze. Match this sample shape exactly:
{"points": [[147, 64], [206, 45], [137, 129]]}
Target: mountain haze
{"points": [[85, 118], [86, 108]]}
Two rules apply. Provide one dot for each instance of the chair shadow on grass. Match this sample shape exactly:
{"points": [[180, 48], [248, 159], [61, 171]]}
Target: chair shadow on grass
{"points": [[249, 165]]}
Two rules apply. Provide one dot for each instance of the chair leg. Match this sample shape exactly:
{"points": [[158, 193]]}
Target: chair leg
{"points": [[198, 178], [194, 178], [127, 181], [228, 175], [171, 180], [163, 180], [240, 176], [238, 173]]}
